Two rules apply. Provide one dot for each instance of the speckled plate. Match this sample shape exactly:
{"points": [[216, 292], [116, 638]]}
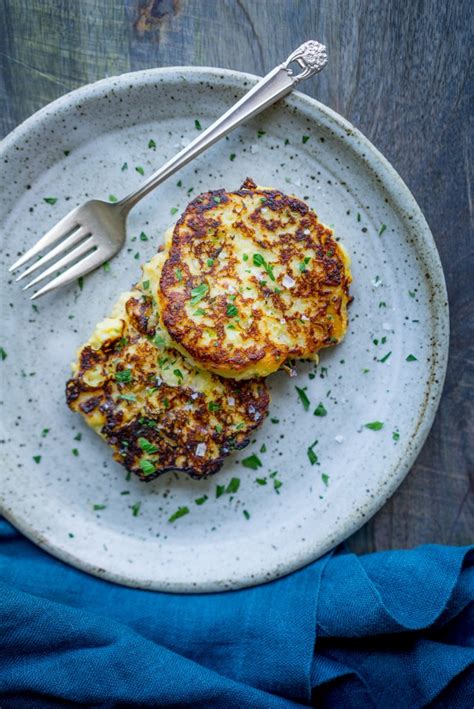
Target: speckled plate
{"points": [[59, 485]]}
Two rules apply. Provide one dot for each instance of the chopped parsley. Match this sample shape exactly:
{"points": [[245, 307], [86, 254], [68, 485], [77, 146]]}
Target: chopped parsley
{"points": [[180, 512], [124, 376], [3, 354], [128, 397], [258, 260], [210, 261], [199, 311], [411, 358], [80, 282], [260, 133], [50, 200], [245, 257], [231, 311], [178, 373], [275, 420], [325, 478], [197, 125], [305, 138], [198, 293], [382, 304], [374, 425], [320, 410], [113, 198], [213, 406], [396, 436], [136, 509], [44, 432], [143, 236], [174, 210], [411, 293], [261, 481], [252, 461], [232, 157], [218, 428], [75, 452], [159, 340], [313, 458], [147, 447], [140, 170], [385, 357], [98, 507], [151, 144], [201, 500], [106, 266], [220, 489], [277, 485], [304, 263], [37, 459], [66, 152], [263, 448], [382, 229], [78, 437], [179, 274], [233, 485], [303, 398], [246, 514], [146, 284], [124, 167]]}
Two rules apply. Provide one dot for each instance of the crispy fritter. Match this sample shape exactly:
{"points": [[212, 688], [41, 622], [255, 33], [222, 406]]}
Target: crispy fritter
{"points": [[252, 279], [157, 411]]}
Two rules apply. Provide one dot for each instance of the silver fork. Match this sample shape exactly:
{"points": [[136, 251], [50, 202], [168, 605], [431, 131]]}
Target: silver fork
{"points": [[95, 231]]}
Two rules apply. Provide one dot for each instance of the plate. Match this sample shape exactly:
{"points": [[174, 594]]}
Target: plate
{"points": [[59, 485]]}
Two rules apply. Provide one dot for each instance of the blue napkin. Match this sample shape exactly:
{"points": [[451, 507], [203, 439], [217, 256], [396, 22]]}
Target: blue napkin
{"points": [[392, 629]]}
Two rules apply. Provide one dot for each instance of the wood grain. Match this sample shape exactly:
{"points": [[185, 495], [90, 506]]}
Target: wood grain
{"points": [[399, 71]]}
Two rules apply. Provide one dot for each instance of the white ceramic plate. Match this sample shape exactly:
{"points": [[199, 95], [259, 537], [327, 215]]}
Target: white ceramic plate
{"points": [[399, 302]]}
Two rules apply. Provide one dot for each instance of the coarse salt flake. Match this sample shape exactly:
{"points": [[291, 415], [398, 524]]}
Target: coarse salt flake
{"points": [[288, 281], [339, 439], [201, 449]]}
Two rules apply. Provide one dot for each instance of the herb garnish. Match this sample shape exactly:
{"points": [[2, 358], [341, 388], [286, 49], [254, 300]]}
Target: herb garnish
{"points": [[325, 478], [396, 436], [258, 260], [304, 263], [159, 340], [232, 157], [128, 397], [246, 514], [3, 354], [313, 458], [37, 458], [320, 410], [231, 311], [213, 406], [201, 500], [197, 124], [252, 461], [305, 138], [385, 357], [113, 198], [98, 507], [178, 373], [124, 376], [303, 398], [44, 432], [233, 485], [174, 210], [261, 481], [146, 446], [50, 200], [411, 358], [277, 485], [140, 170], [198, 293], [374, 425], [151, 144], [106, 266], [382, 229], [220, 489], [136, 509]]}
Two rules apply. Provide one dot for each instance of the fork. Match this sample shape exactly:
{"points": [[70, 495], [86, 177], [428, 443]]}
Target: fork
{"points": [[94, 232]]}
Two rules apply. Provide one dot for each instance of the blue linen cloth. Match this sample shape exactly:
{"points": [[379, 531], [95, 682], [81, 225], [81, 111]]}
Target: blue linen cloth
{"points": [[391, 629]]}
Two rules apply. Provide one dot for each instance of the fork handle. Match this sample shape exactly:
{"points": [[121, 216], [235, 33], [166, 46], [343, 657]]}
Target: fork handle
{"points": [[311, 57]]}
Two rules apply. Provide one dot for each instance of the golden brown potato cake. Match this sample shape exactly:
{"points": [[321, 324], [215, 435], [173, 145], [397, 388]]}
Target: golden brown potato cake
{"points": [[252, 279], [157, 411]]}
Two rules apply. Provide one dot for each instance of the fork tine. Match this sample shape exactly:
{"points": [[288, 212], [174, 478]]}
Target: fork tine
{"points": [[76, 236], [80, 250], [62, 229], [85, 265]]}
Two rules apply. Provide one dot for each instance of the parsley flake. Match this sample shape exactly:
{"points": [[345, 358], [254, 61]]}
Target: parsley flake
{"points": [[246, 514], [374, 425], [98, 507], [50, 200], [140, 170], [305, 138], [198, 293], [3, 354], [147, 447], [252, 461], [382, 229], [320, 410], [124, 376], [232, 157], [233, 485], [113, 198], [303, 398], [197, 124], [136, 509], [152, 144], [325, 478], [231, 311], [411, 358], [201, 500], [37, 459]]}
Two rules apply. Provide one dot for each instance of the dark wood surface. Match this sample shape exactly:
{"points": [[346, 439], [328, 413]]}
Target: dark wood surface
{"points": [[399, 70]]}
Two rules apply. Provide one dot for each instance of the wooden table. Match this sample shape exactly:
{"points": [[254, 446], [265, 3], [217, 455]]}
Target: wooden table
{"points": [[398, 70]]}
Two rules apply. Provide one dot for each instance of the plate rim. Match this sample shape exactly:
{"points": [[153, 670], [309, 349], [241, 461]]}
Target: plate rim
{"points": [[404, 199]]}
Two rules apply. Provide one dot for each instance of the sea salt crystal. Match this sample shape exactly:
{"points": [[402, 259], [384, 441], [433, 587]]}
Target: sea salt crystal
{"points": [[339, 439], [201, 449], [306, 232], [386, 326], [254, 149], [231, 400], [304, 317], [288, 281], [376, 282], [194, 395]]}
